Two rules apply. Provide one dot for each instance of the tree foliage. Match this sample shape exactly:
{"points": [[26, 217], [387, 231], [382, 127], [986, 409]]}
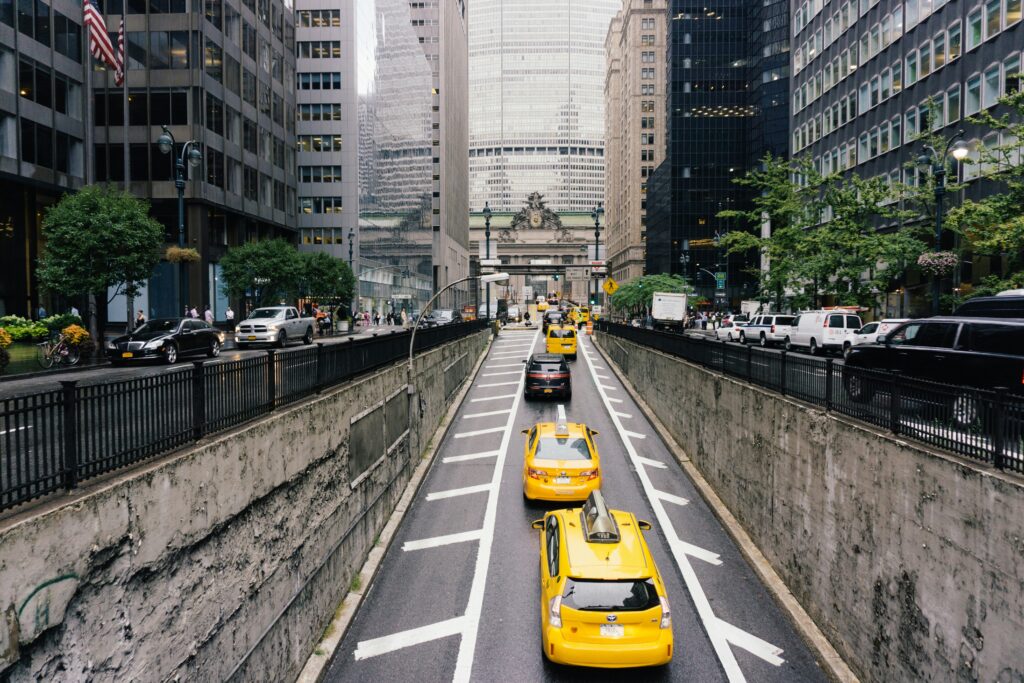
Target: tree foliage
{"points": [[636, 296], [269, 271], [98, 238], [326, 279]]}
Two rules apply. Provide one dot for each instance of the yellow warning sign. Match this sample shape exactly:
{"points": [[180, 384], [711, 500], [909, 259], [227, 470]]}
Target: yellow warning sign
{"points": [[610, 286]]}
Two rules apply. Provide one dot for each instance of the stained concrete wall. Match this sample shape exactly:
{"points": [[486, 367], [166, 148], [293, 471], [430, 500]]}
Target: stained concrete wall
{"points": [[224, 561], [911, 563]]}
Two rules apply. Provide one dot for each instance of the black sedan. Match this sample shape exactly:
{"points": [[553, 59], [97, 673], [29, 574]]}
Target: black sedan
{"points": [[166, 339]]}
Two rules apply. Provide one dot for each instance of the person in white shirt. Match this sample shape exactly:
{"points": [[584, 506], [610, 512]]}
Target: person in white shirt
{"points": [[229, 315], [208, 316]]}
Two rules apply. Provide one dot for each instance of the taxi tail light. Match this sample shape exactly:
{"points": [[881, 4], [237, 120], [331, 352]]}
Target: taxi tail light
{"points": [[536, 474], [666, 613], [591, 474], [555, 612]]}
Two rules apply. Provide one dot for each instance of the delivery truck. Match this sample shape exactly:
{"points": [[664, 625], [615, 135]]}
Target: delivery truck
{"points": [[668, 309]]}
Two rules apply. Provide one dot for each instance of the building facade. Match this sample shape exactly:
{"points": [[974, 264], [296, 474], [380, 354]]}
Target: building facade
{"points": [[869, 78], [536, 121], [635, 127], [222, 75], [726, 104]]}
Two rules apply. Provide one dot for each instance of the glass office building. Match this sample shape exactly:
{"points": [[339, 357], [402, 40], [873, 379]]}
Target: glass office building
{"points": [[536, 123]]}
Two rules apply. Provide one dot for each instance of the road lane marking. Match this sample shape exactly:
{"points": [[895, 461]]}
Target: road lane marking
{"points": [[712, 625], [478, 432], [437, 541], [475, 603], [505, 365], [470, 456], [632, 435], [499, 384], [414, 636], [491, 398], [487, 414], [464, 491], [670, 498], [751, 643], [625, 415], [604, 387], [615, 400], [695, 551], [500, 374], [653, 463]]}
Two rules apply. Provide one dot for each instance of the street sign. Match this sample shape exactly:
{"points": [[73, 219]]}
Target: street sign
{"points": [[528, 293], [598, 263], [577, 273], [720, 280], [402, 297], [720, 294], [599, 271], [490, 262], [610, 286]]}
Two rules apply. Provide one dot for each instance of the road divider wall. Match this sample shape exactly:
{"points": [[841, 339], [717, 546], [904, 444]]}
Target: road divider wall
{"points": [[224, 561], [910, 561]]}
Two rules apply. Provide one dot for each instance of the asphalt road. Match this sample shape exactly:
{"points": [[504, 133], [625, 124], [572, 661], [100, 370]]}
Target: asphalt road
{"points": [[457, 594]]}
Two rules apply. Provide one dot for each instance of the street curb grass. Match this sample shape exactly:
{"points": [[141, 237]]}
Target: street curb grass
{"points": [[323, 653], [832, 663]]}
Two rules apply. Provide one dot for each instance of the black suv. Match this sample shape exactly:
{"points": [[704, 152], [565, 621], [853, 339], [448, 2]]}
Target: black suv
{"points": [[551, 318], [975, 352], [992, 307], [547, 374]]}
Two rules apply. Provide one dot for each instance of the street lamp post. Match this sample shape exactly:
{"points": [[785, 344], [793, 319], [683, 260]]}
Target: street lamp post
{"points": [[596, 215], [191, 152], [355, 292], [487, 248], [937, 162]]}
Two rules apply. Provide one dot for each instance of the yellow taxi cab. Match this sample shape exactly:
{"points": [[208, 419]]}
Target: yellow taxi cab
{"points": [[562, 339], [603, 602], [560, 461], [582, 314], [542, 306]]}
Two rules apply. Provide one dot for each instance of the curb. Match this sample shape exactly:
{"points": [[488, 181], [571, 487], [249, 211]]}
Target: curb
{"points": [[324, 651], [832, 663]]}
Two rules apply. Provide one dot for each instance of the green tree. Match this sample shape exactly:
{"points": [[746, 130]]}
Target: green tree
{"points": [[326, 279], [98, 238], [636, 296], [273, 268]]}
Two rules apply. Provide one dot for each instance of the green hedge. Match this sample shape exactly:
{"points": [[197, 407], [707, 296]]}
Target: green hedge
{"points": [[23, 329]]}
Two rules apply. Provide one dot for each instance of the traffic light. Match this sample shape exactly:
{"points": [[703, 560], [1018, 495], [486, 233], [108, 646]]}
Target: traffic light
{"points": [[593, 301], [556, 277]]}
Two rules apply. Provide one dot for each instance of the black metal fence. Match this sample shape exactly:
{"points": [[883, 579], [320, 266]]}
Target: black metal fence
{"points": [[985, 425], [53, 440]]}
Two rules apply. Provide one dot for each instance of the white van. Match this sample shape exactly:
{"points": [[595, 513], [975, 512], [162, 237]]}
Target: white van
{"points": [[822, 330]]}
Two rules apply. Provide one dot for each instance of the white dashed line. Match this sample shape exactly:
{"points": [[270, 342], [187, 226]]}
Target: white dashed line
{"points": [[692, 550], [505, 365], [606, 388], [651, 463], [487, 414], [414, 636], [437, 541], [478, 432], [491, 398], [670, 498], [499, 384], [470, 456], [751, 643], [615, 400], [625, 415], [464, 491], [633, 435], [500, 374]]}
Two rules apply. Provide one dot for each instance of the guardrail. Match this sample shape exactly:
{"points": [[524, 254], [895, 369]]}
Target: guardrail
{"points": [[986, 425], [55, 439]]}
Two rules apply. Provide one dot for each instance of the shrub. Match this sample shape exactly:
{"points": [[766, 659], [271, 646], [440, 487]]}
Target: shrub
{"points": [[60, 321], [29, 332], [5, 338], [76, 334], [5, 358], [181, 255]]}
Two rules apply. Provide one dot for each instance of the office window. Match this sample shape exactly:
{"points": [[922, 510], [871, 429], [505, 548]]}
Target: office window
{"points": [[993, 17], [953, 104], [214, 114], [895, 136], [953, 38], [168, 50], [886, 84], [248, 86], [939, 50], [250, 183], [911, 124], [863, 147], [912, 9], [249, 39], [214, 166], [214, 60], [1012, 11], [1011, 78], [912, 68], [972, 95], [67, 37], [42, 22], [990, 87], [250, 136], [897, 77], [974, 29]]}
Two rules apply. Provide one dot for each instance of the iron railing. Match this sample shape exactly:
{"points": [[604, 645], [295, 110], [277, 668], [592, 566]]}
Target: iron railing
{"points": [[981, 424], [53, 440]]}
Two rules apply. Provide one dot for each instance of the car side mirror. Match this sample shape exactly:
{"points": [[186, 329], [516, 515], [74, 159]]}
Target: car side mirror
{"points": [[537, 524], [644, 525], [594, 432], [525, 431]]}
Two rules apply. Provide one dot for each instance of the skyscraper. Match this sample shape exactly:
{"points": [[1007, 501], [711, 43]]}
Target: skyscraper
{"points": [[536, 115]]}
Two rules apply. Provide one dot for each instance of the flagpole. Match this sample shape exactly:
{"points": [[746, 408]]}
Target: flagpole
{"points": [[122, 36], [89, 159]]}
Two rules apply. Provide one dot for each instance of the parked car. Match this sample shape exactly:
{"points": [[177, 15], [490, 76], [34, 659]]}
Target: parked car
{"points": [[274, 325], [822, 330], [441, 316], [766, 329], [871, 333], [551, 317], [729, 330], [514, 315], [166, 339], [985, 353], [1006, 304], [547, 374]]}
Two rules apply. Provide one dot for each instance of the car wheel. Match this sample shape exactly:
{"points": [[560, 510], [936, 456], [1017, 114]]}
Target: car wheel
{"points": [[858, 388], [171, 354], [214, 349], [763, 341], [743, 338], [526, 396], [814, 347], [788, 344], [964, 411], [282, 339], [308, 339]]}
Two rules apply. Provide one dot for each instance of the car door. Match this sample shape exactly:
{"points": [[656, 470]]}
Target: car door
{"points": [[989, 355], [551, 565], [921, 349], [186, 337], [865, 335]]}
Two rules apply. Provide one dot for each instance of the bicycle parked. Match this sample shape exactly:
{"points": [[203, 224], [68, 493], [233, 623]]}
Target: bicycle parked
{"points": [[57, 352]]}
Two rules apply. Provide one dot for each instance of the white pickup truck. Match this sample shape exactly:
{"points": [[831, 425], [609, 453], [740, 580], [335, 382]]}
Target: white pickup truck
{"points": [[274, 325]]}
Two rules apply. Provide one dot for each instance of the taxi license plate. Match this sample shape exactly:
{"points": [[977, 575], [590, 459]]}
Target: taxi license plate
{"points": [[252, 337], [547, 391], [613, 630], [561, 480], [127, 354]]}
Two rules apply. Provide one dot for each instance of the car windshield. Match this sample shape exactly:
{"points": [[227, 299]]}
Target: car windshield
{"points": [[266, 313], [783, 320], [546, 367], [610, 596], [561, 334], [562, 448], [158, 325]]}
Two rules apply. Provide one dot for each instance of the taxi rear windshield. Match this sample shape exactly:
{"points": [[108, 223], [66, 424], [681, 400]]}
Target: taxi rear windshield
{"points": [[561, 334], [562, 448], [610, 596]]}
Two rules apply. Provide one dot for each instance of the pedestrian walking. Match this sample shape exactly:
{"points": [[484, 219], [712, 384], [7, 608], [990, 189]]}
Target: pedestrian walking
{"points": [[41, 312], [405, 318], [140, 319], [229, 315], [208, 315], [193, 313], [74, 311]]}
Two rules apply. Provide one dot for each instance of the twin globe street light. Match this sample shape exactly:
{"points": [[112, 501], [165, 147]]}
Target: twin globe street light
{"points": [[190, 152]]}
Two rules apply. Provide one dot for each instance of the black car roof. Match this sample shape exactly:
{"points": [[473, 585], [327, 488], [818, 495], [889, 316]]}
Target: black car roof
{"points": [[970, 319], [546, 358]]}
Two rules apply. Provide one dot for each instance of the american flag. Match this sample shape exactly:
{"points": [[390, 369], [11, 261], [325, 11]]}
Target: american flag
{"points": [[119, 73], [99, 40]]}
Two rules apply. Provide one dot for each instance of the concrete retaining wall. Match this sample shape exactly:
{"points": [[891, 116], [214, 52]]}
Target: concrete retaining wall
{"points": [[911, 562], [224, 561]]}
